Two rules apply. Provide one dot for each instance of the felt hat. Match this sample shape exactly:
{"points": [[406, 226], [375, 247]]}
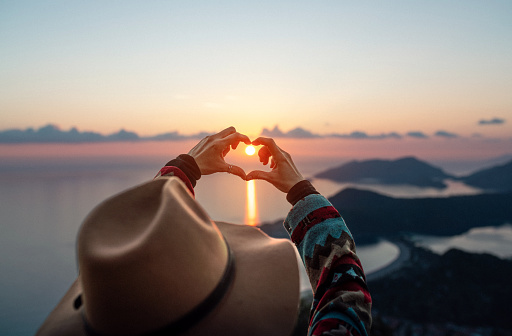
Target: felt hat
{"points": [[151, 261]]}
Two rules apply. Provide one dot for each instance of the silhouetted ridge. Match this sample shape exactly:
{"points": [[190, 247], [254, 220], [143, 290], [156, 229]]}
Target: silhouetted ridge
{"points": [[456, 287], [369, 214], [408, 170], [497, 178]]}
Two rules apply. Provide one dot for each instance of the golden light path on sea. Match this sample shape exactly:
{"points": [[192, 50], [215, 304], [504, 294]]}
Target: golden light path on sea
{"points": [[251, 209]]}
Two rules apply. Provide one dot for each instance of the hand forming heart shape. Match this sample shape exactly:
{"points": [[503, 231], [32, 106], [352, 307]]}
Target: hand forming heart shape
{"points": [[209, 155]]}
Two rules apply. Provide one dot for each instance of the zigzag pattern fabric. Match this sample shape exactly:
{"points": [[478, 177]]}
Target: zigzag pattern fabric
{"points": [[341, 301]]}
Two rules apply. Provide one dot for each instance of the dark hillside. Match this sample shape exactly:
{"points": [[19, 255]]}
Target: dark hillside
{"points": [[457, 287], [369, 214], [497, 178], [404, 171]]}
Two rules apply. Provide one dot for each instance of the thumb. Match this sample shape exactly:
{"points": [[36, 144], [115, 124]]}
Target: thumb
{"points": [[258, 175], [235, 170]]}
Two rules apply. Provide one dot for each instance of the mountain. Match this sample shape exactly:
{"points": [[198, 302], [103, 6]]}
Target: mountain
{"points": [[454, 288], [403, 171], [370, 215], [497, 178]]}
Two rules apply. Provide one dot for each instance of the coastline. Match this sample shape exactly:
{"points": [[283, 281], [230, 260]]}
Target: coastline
{"points": [[403, 256]]}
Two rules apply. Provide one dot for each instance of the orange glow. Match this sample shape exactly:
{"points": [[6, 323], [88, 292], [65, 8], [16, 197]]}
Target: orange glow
{"points": [[301, 150], [251, 210], [250, 150]]}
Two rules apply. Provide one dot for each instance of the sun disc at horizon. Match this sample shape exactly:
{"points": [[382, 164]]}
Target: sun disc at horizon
{"points": [[250, 150]]}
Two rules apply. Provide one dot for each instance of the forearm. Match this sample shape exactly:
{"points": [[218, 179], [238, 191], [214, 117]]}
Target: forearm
{"points": [[183, 167], [325, 244]]}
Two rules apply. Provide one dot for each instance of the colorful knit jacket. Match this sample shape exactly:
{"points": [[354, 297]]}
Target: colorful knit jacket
{"points": [[341, 301]]}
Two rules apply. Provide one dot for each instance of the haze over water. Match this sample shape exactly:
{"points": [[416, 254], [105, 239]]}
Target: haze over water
{"points": [[342, 80], [45, 197]]}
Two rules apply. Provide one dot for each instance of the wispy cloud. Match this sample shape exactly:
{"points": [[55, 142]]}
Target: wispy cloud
{"points": [[294, 133], [417, 134], [494, 121], [299, 132], [52, 133], [364, 135], [445, 134]]}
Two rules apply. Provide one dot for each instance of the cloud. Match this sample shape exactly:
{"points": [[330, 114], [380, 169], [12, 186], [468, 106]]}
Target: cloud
{"points": [[364, 135], [417, 134], [445, 134], [494, 121], [300, 133], [176, 136], [123, 135], [52, 133], [274, 133], [48, 133]]}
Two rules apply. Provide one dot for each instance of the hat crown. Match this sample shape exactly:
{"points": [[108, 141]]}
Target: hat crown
{"points": [[144, 249], [150, 255]]}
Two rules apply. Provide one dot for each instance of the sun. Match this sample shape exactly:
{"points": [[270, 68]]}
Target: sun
{"points": [[250, 150]]}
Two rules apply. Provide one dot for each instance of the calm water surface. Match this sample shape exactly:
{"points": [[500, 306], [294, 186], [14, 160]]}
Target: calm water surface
{"points": [[42, 206], [492, 240]]}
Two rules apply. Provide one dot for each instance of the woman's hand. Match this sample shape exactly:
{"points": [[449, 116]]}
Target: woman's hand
{"points": [[284, 174], [209, 153]]}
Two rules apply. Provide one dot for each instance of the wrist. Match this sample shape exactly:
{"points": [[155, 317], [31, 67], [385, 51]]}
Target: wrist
{"points": [[188, 165], [299, 191]]}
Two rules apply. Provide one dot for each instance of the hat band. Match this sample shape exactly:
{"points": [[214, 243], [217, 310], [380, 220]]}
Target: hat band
{"points": [[195, 315]]}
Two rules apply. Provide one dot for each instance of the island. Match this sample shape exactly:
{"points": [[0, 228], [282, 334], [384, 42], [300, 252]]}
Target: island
{"points": [[403, 171]]}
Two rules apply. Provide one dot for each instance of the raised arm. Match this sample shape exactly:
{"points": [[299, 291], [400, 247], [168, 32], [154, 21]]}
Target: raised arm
{"points": [[209, 153], [207, 157], [342, 302]]}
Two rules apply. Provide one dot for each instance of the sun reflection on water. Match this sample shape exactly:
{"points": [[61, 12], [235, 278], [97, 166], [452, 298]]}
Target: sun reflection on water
{"points": [[251, 209]]}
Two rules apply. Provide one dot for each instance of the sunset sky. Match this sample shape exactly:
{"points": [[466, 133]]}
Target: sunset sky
{"points": [[326, 66]]}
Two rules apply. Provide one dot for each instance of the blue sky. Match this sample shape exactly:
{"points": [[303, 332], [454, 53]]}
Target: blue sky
{"points": [[329, 67]]}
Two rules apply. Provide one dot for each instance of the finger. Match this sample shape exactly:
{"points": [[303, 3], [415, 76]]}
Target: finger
{"points": [[275, 151], [225, 152], [272, 164], [224, 133], [235, 145], [264, 154], [235, 170], [236, 137], [258, 175]]}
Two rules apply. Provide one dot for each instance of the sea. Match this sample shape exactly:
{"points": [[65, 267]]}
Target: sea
{"points": [[43, 203]]}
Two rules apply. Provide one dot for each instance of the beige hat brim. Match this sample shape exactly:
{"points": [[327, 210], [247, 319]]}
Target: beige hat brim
{"points": [[263, 299]]}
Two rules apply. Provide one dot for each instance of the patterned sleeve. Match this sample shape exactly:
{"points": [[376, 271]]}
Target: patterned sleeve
{"points": [[341, 301], [175, 171]]}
